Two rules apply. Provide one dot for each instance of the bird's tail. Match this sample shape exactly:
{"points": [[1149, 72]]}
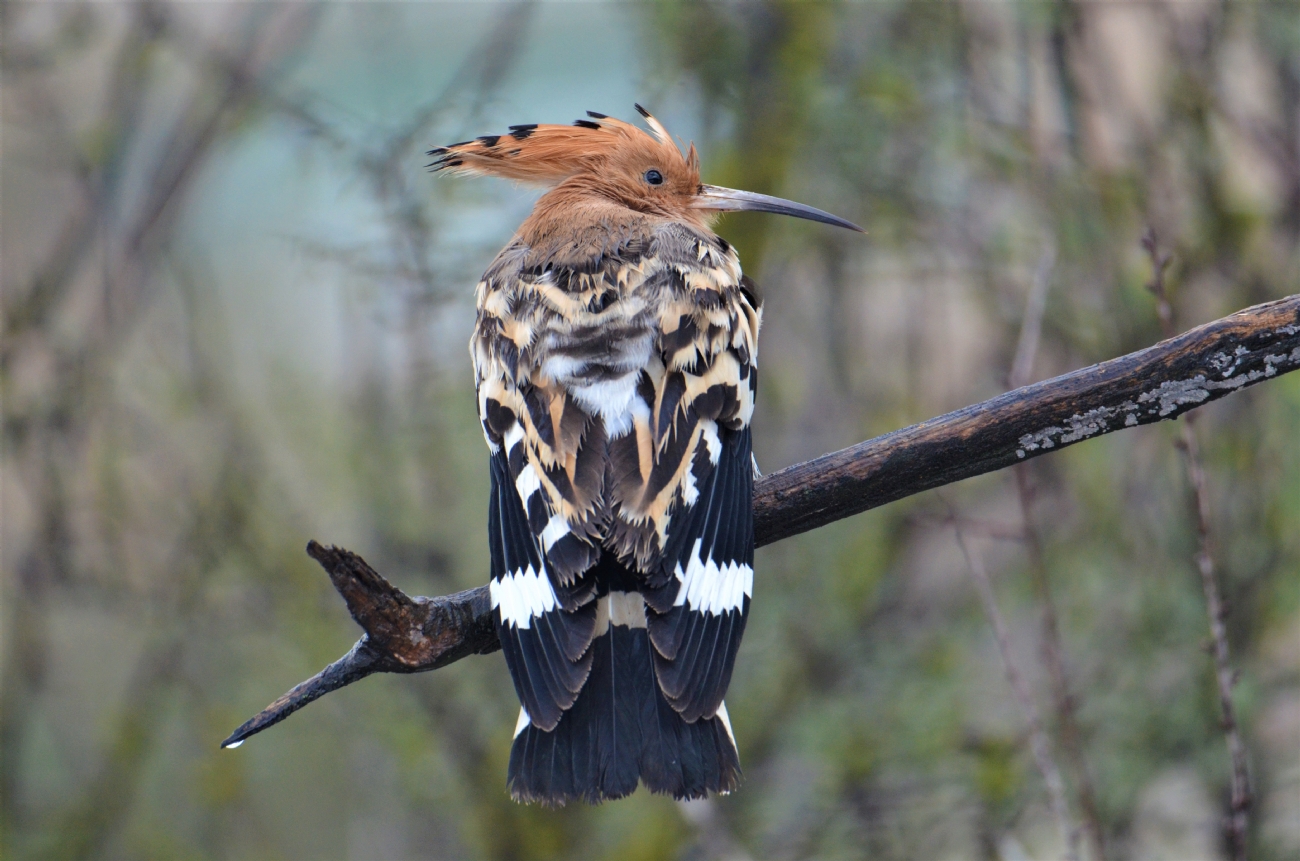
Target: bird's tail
{"points": [[619, 730]]}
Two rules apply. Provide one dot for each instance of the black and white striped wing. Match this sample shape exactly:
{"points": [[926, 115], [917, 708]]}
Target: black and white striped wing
{"points": [[545, 645], [698, 616]]}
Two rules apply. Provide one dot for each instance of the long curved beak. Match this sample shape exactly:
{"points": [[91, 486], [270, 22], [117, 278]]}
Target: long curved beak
{"points": [[721, 199]]}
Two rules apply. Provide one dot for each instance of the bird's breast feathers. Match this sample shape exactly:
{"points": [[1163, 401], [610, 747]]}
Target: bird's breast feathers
{"points": [[607, 369]]}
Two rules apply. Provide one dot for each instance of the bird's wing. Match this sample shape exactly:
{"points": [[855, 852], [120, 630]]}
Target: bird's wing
{"points": [[696, 620], [547, 475], [546, 646]]}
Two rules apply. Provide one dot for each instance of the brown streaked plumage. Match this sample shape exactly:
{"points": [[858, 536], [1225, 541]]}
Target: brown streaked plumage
{"points": [[615, 362]]}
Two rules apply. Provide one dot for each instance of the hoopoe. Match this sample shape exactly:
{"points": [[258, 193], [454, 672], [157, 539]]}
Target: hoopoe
{"points": [[615, 362]]}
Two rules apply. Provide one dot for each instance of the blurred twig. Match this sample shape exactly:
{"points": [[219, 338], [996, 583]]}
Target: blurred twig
{"points": [[1152, 385], [109, 245], [218, 522], [1241, 797], [385, 163], [38, 440], [97, 178], [1031, 326], [1160, 261], [979, 527], [1038, 742], [1053, 651]]}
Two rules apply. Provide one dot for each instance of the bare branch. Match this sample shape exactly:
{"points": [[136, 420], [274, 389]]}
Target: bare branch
{"points": [[1151, 385]]}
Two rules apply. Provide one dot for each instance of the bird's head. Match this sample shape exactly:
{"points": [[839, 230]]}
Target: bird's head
{"points": [[617, 161]]}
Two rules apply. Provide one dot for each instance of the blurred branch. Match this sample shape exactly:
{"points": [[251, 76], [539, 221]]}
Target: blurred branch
{"points": [[1038, 743], [1151, 385], [97, 182], [385, 164], [217, 523], [1053, 648], [1031, 327], [1241, 798], [111, 239]]}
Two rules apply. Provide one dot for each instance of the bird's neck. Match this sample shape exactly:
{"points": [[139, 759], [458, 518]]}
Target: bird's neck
{"points": [[581, 206]]}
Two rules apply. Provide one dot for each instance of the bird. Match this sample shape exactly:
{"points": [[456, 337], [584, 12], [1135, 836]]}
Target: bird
{"points": [[615, 361]]}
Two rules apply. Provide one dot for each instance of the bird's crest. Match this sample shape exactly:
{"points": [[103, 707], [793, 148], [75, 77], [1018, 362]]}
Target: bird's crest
{"points": [[550, 154]]}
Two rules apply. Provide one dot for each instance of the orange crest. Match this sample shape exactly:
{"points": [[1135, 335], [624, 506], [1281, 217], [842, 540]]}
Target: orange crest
{"points": [[550, 154]]}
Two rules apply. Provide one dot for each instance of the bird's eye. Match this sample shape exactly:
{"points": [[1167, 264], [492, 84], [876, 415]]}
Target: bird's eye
{"points": [[654, 177]]}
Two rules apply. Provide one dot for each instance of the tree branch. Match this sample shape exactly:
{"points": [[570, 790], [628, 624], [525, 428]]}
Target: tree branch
{"points": [[408, 635]]}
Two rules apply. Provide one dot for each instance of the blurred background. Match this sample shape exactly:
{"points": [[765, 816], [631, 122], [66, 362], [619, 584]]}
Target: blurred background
{"points": [[236, 309]]}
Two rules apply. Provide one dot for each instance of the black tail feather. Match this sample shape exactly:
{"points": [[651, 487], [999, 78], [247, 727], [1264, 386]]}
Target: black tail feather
{"points": [[621, 729]]}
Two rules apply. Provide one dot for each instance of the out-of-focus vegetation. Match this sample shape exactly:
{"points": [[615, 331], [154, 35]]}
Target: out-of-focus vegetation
{"points": [[235, 310]]}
